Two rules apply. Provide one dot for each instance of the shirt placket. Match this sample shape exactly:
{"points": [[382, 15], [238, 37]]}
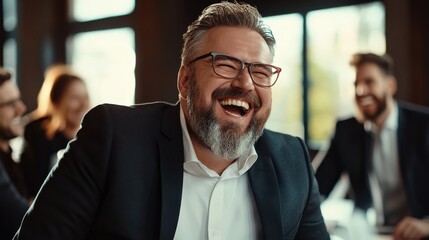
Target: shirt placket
{"points": [[215, 212]]}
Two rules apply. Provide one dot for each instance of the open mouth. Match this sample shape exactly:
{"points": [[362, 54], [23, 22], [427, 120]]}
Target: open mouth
{"points": [[18, 121], [365, 101], [235, 107]]}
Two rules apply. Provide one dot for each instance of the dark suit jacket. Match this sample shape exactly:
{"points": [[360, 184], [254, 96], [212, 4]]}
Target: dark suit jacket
{"points": [[122, 179], [350, 152], [14, 172], [12, 206], [36, 157]]}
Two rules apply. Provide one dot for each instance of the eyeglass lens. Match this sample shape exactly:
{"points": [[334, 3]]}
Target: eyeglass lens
{"points": [[229, 67]]}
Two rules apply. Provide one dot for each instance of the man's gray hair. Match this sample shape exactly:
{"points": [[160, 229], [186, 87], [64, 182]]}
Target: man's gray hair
{"points": [[224, 14]]}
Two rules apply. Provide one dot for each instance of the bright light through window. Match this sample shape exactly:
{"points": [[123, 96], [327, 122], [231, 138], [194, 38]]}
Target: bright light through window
{"points": [[286, 112], [334, 35], [106, 60], [85, 10], [9, 14], [10, 56]]}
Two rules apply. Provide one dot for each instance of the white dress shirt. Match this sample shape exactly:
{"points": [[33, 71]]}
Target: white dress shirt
{"points": [[386, 180], [216, 207]]}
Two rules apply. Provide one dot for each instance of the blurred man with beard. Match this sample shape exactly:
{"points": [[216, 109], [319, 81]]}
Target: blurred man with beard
{"points": [[12, 204], [204, 168], [385, 152]]}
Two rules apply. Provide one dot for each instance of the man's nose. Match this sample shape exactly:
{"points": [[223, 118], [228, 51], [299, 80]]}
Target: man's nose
{"points": [[20, 106], [244, 80], [360, 90]]}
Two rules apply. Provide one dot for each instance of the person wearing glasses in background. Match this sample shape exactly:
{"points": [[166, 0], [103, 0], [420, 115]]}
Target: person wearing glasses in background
{"points": [[203, 168], [13, 204], [384, 150]]}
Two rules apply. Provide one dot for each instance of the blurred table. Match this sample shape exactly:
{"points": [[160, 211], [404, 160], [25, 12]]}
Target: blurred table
{"points": [[345, 223]]}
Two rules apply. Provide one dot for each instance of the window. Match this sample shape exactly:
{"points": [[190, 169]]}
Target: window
{"points": [[10, 50], [9, 15], [286, 113], [333, 36], [106, 61], [10, 56], [105, 56], [85, 10]]}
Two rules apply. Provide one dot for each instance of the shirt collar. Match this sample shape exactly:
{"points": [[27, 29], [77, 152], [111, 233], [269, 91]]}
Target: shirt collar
{"points": [[194, 166]]}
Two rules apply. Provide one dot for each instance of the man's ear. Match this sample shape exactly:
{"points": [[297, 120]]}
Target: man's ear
{"points": [[392, 85], [183, 81]]}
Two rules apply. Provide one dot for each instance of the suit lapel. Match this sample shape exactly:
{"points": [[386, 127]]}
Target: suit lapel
{"points": [[368, 145], [403, 141], [405, 144], [171, 164], [365, 201], [266, 192]]}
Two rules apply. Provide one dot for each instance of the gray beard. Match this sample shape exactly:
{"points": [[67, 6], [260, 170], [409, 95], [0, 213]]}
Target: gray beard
{"points": [[226, 142]]}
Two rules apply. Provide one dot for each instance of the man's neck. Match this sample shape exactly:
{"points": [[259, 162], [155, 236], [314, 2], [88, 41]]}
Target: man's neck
{"points": [[210, 160], [380, 120]]}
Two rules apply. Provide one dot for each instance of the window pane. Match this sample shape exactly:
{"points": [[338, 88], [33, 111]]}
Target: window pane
{"points": [[10, 56], [287, 106], [334, 35], [85, 10], [9, 13], [106, 60]]}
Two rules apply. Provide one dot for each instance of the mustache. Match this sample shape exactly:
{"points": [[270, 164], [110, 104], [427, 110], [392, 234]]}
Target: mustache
{"points": [[237, 93]]}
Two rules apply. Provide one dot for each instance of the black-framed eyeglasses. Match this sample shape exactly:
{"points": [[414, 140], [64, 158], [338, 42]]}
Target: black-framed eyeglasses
{"points": [[263, 75]]}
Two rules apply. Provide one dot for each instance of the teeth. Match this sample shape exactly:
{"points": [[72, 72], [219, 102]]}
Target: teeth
{"points": [[235, 102], [366, 101], [17, 121]]}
